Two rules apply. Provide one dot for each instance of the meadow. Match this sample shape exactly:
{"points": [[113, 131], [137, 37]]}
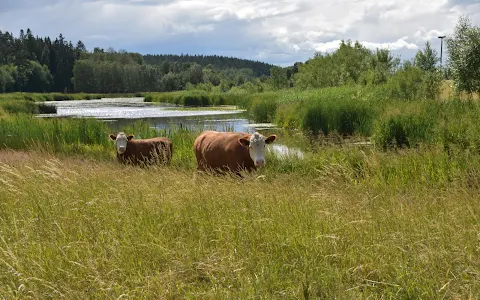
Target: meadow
{"points": [[394, 218], [76, 228]]}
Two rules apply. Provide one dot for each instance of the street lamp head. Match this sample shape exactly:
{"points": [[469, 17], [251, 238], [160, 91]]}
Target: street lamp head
{"points": [[441, 36]]}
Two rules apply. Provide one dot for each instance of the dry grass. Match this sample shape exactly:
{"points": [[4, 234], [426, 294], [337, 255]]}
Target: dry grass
{"points": [[71, 228], [447, 92]]}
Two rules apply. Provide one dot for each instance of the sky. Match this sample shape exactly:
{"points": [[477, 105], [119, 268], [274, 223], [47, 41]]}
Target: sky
{"points": [[280, 32]]}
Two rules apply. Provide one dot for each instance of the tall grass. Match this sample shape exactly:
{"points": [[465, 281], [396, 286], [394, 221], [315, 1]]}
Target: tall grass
{"points": [[263, 107], [69, 136], [88, 138], [451, 123], [368, 112], [347, 111], [324, 111], [28, 107], [83, 229]]}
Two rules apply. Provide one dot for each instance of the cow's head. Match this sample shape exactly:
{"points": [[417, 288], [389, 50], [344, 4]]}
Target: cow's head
{"points": [[256, 147], [121, 141]]}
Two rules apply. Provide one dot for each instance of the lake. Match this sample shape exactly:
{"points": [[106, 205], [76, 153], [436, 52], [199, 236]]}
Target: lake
{"points": [[120, 112]]}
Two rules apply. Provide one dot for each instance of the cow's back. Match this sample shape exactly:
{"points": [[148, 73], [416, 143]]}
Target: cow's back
{"points": [[221, 150], [147, 150]]}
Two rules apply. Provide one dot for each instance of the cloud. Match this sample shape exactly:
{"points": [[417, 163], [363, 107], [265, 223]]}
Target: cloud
{"points": [[279, 32]]}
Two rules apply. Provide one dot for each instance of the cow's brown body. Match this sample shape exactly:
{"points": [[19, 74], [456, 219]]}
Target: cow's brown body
{"points": [[147, 151], [221, 151]]}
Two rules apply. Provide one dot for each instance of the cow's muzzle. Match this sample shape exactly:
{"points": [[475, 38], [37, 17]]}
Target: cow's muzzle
{"points": [[260, 163]]}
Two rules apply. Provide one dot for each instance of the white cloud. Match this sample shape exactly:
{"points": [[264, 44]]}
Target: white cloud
{"points": [[397, 45], [327, 47], [280, 32], [423, 35]]}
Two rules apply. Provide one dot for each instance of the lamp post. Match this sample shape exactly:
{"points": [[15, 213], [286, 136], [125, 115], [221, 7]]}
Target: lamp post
{"points": [[441, 47]]}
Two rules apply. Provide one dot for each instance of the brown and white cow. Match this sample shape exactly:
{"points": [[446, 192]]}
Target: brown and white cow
{"points": [[142, 151], [230, 151]]}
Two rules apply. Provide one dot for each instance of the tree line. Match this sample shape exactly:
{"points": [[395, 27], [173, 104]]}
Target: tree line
{"points": [[33, 64], [217, 62], [110, 71]]}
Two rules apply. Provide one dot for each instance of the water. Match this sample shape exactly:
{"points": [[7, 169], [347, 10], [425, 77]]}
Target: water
{"points": [[120, 112]]}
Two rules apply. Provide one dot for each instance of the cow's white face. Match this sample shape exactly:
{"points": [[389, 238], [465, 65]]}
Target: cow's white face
{"points": [[256, 147], [121, 140]]}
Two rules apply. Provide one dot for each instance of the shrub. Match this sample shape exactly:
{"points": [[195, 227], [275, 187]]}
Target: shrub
{"points": [[411, 83]]}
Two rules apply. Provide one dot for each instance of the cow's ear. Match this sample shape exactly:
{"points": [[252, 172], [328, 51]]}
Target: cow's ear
{"points": [[270, 139], [113, 137], [130, 137], [244, 142]]}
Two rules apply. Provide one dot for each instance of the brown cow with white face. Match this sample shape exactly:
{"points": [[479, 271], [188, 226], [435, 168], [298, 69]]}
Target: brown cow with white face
{"points": [[230, 151], [146, 151]]}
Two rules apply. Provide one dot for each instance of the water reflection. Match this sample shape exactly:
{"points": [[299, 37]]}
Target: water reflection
{"points": [[283, 151]]}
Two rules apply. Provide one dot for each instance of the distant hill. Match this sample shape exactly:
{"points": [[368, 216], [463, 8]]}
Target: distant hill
{"points": [[218, 62]]}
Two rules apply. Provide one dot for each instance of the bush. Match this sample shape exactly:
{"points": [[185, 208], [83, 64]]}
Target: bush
{"points": [[411, 83]]}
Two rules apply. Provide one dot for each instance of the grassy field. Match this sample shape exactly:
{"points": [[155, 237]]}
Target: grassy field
{"points": [[81, 228], [398, 218]]}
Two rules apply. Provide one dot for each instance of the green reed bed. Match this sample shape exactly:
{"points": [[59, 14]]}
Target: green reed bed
{"points": [[357, 111], [69, 136], [452, 123], [340, 110], [26, 106]]}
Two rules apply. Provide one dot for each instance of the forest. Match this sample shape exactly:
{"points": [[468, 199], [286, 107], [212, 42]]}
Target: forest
{"points": [[30, 63]]}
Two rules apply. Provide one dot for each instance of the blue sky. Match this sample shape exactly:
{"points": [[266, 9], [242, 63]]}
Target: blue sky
{"points": [[280, 32]]}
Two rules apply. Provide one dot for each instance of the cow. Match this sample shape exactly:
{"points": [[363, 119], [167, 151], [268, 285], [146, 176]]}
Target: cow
{"points": [[142, 151], [230, 151]]}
